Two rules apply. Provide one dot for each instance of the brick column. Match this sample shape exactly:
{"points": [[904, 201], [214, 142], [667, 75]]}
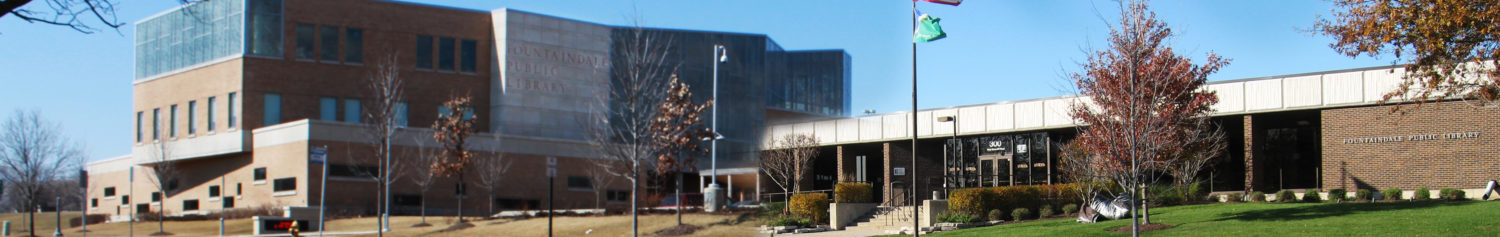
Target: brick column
{"points": [[885, 157], [838, 156], [1249, 133]]}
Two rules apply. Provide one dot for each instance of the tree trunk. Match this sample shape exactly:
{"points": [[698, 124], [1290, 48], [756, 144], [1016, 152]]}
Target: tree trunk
{"points": [[1145, 208], [424, 207], [461, 197], [635, 199], [680, 200], [31, 216], [161, 226]]}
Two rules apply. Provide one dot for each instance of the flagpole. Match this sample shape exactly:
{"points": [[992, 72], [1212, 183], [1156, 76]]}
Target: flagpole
{"points": [[916, 228]]}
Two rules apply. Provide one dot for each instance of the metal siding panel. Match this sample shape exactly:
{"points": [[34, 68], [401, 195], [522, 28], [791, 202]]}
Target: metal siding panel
{"points": [[1029, 114], [1381, 81], [942, 128], [1056, 111], [848, 130], [1302, 91], [1343, 88], [924, 123], [826, 131], [896, 125], [1000, 117], [973, 119], [1264, 94], [870, 128], [1231, 97]]}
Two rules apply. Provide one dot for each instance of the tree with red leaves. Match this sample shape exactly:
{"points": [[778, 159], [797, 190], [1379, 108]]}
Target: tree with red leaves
{"points": [[679, 128], [453, 130], [1146, 102]]}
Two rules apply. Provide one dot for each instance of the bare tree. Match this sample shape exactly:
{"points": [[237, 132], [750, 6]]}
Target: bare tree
{"points": [[623, 133], [601, 178], [163, 176], [1200, 148], [70, 13], [452, 130], [423, 177], [386, 90], [788, 160], [33, 152], [491, 170]]}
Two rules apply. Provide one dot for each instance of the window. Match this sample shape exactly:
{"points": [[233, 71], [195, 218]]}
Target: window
{"points": [[284, 184], [354, 45], [401, 119], [171, 184], [406, 200], [210, 113], [443, 111], [172, 122], [190, 205], [351, 110], [579, 182], [139, 133], [192, 113], [468, 55], [328, 109], [155, 196], [265, 28], [155, 124], [445, 54], [230, 107], [125, 200], [260, 173], [345, 170], [329, 44], [305, 34], [617, 196], [239, 189], [94, 202], [273, 109], [424, 52], [228, 202], [213, 191], [109, 191]]}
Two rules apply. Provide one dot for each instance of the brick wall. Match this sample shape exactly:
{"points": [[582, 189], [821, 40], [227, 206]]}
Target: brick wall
{"points": [[1406, 158]]}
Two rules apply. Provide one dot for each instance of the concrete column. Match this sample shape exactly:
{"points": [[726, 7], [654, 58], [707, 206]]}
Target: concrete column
{"points": [[729, 187], [1249, 138], [839, 157]]}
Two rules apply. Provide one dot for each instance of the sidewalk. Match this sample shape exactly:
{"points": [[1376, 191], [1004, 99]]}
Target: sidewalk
{"points": [[313, 233], [835, 233]]}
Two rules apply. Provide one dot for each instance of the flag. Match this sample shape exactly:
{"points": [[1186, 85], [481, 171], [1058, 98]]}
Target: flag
{"points": [[948, 2], [928, 29]]}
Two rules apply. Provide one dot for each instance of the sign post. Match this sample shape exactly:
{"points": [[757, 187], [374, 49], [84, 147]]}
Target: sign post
{"points": [[320, 156], [551, 177]]}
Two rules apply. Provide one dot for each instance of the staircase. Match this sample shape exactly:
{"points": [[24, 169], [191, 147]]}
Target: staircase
{"points": [[883, 219]]}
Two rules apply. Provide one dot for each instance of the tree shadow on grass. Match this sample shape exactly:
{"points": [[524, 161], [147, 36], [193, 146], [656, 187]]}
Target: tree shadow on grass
{"points": [[1331, 210]]}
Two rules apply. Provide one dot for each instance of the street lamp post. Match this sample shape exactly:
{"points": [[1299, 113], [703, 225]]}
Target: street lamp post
{"points": [[712, 196], [947, 169]]}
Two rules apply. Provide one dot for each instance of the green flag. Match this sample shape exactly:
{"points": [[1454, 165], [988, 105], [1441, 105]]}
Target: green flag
{"points": [[928, 29]]}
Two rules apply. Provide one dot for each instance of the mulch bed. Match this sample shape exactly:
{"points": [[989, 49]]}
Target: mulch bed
{"points": [[683, 229], [1144, 228]]}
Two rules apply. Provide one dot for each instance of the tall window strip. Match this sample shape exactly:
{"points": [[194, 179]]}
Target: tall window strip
{"points": [[192, 115], [351, 110], [424, 52], [328, 109], [233, 117], [354, 45], [156, 124], [272, 110], [468, 55], [306, 37], [329, 44], [210, 114], [172, 122], [264, 35], [445, 54], [139, 133]]}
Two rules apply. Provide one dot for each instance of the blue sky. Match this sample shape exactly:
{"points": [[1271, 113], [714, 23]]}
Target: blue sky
{"points": [[996, 50]]}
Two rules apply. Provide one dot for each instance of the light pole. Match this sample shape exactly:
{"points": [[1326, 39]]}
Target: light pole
{"points": [[946, 168], [720, 56]]}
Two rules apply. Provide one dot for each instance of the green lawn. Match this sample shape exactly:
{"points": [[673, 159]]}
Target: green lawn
{"points": [[1428, 218]]}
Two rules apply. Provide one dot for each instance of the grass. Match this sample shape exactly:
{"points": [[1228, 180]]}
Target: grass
{"points": [[716, 225], [1433, 218], [45, 221]]}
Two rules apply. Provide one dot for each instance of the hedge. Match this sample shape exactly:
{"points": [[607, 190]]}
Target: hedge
{"points": [[852, 193], [1422, 194], [813, 206], [1393, 194], [979, 200]]}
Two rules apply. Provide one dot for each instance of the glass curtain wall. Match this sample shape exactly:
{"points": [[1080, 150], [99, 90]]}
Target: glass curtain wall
{"points": [[206, 31]]}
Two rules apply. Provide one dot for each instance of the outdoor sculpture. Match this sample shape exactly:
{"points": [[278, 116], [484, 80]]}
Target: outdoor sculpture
{"points": [[1108, 208]]}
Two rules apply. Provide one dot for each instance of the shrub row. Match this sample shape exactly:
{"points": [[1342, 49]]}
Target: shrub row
{"points": [[1338, 194], [981, 200], [852, 193], [811, 206]]}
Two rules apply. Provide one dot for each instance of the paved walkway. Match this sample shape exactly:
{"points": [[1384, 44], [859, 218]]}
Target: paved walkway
{"points": [[839, 233], [314, 233]]}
